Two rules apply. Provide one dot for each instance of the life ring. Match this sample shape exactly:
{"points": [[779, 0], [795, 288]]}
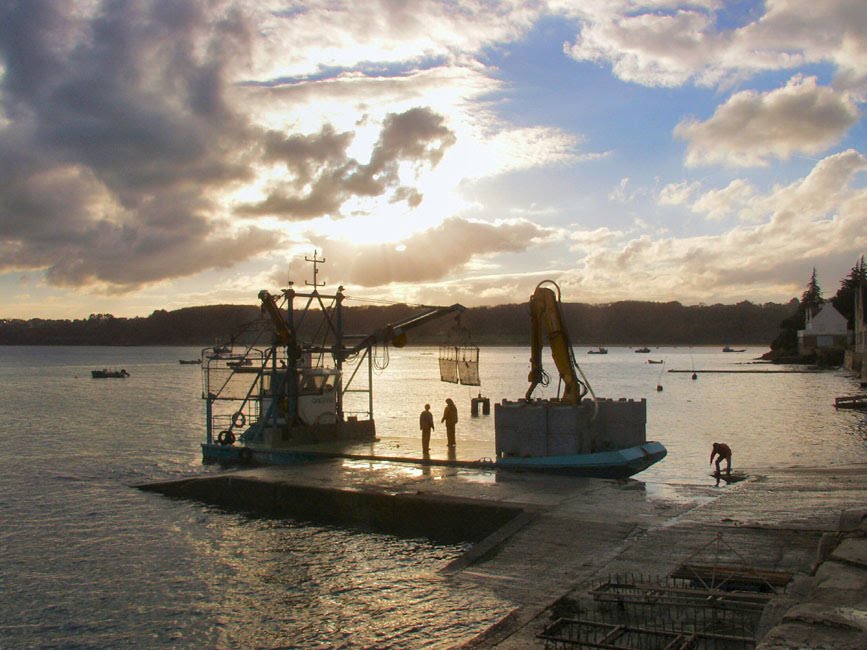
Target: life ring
{"points": [[245, 455], [226, 438], [239, 419]]}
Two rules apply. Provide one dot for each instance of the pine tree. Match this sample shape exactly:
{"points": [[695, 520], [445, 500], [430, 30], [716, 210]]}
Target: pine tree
{"points": [[811, 302], [844, 300], [811, 299]]}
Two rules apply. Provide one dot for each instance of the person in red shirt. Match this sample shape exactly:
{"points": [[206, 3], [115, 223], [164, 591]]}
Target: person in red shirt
{"points": [[725, 453]]}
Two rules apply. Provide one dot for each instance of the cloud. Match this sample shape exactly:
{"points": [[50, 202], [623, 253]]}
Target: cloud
{"points": [[118, 128], [326, 34], [322, 177], [656, 49], [677, 193], [673, 43], [587, 240], [124, 130], [826, 190], [751, 128], [620, 193], [433, 255], [718, 204], [794, 32], [819, 220]]}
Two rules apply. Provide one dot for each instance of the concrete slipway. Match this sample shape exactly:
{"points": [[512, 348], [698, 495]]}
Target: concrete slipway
{"points": [[542, 542]]}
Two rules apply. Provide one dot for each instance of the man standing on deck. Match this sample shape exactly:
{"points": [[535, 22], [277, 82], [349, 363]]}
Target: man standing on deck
{"points": [[426, 424], [725, 453], [450, 417]]}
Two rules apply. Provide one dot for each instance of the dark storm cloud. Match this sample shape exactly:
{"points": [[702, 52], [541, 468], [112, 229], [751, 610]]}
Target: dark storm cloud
{"points": [[121, 122], [132, 97], [323, 177], [117, 127]]}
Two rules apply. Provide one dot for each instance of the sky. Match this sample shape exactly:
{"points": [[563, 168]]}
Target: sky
{"points": [[159, 154]]}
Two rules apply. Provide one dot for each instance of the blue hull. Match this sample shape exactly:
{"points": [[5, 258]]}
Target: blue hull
{"points": [[230, 454], [622, 463]]}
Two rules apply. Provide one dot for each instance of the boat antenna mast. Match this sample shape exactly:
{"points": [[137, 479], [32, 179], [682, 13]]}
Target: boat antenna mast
{"points": [[316, 261]]}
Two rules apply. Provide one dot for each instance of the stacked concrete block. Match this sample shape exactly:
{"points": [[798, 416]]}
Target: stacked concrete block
{"points": [[623, 423], [521, 429], [543, 428]]}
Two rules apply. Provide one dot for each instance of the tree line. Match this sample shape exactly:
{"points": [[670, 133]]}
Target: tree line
{"points": [[619, 323]]}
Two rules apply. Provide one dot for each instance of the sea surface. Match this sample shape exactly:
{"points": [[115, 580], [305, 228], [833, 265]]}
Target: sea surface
{"points": [[88, 561]]}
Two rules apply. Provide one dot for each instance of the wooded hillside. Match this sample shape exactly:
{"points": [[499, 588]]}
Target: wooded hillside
{"points": [[620, 323]]}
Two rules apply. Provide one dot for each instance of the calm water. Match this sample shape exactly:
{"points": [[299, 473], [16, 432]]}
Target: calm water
{"points": [[88, 561]]}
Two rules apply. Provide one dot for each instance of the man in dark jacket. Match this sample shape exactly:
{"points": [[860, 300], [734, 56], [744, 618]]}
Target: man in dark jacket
{"points": [[450, 417], [426, 424]]}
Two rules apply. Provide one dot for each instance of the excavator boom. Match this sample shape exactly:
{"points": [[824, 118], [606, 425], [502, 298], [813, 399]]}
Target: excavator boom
{"points": [[545, 314]]}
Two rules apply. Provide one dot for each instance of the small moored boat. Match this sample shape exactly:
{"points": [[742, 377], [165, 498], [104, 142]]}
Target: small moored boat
{"points": [[598, 351], [851, 402], [105, 373]]}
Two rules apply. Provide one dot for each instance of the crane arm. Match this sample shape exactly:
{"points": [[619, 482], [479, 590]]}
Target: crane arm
{"points": [[395, 333], [269, 306], [545, 314]]}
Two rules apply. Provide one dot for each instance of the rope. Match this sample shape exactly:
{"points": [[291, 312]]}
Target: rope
{"points": [[385, 302]]}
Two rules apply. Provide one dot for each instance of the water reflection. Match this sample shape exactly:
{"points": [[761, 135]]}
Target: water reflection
{"points": [[140, 570]]}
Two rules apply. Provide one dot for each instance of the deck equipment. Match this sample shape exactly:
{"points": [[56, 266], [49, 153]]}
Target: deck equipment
{"points": [[310, 383]]}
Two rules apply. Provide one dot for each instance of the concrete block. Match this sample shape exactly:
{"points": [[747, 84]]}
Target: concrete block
{"points": [[852, 551], [563, 420], [851, 519], [787, 636], [568, 429], [562, 445], [840, 583], [535, 444], [829, 616]]}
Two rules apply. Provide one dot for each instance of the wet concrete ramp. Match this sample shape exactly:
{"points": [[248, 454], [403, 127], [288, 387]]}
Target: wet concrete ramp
{"points": [[440, 518]]}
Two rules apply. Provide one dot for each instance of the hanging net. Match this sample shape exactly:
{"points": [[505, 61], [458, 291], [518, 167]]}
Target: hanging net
{"points": [[468, 365], [460, 364], [449, 364]]}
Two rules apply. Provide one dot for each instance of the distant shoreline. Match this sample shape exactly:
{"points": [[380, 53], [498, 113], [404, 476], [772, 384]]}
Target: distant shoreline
{"points": [[621, 324]]}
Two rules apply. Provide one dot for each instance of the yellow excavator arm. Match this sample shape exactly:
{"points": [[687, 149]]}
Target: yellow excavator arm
{"points": [[545, 314]]}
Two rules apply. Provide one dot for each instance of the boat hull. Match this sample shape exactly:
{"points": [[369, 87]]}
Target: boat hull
{"points": [[232, 455], [621, 463]]}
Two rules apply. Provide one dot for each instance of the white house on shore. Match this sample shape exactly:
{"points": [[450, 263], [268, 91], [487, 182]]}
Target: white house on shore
{"points": [[824, 334]]}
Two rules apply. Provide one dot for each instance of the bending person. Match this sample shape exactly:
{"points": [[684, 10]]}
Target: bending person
{"points": [[724, 452]]}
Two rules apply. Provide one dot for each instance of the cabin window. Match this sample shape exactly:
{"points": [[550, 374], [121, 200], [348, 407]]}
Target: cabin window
{"points": [[317, 384]]}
